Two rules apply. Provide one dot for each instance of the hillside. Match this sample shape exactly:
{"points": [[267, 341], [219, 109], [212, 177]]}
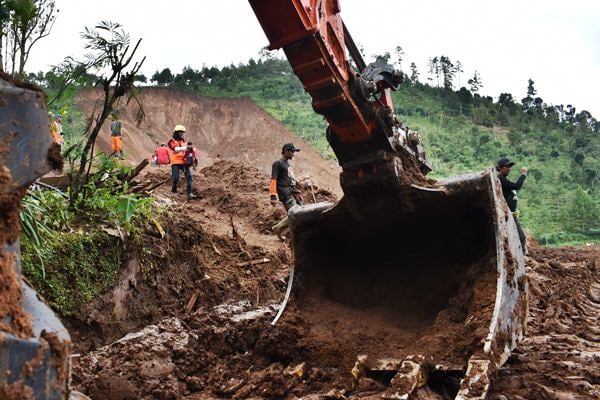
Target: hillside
{"points": [[462, 131], [233, 129]]}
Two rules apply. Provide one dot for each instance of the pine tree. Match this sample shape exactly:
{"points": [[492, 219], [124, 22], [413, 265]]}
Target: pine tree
{"points": [[414, 74], [475, 82]]}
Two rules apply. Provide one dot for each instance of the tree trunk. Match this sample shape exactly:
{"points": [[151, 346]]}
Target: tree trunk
{"points": [[22, 43], [86, 157], [1, 49]]}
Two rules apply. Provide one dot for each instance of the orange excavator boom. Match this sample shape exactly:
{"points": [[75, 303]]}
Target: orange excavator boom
{"points": [[354, 99]]}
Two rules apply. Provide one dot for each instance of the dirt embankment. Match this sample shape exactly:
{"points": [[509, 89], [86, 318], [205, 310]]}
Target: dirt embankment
{"points": [[218, 263], [234, 129]]}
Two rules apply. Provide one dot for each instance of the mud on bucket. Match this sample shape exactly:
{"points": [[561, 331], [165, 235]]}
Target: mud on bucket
{"points": [[415, 272]]}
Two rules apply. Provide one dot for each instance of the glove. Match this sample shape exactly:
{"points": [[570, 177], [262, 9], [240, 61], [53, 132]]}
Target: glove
{"points": [[273, 200]]}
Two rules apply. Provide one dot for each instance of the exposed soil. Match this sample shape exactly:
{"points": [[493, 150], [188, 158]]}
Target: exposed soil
{"points": [[230, 129], [13, 319], [560, 355], [191, 315]]}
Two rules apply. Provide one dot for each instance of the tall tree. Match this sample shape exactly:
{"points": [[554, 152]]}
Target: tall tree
{"points": [[530, 88], [447, 70], [163, 77], [399, 56], [458, 69], [434, 69], [30, 21], [414, 74], [475, 82], [384, 58], [5, 9]]}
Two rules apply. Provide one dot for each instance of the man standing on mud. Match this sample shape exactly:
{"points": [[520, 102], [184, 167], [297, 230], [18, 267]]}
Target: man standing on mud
{"points": [[116, 132], [177, 147], [283, 185], [283, 181], [509, 190]]}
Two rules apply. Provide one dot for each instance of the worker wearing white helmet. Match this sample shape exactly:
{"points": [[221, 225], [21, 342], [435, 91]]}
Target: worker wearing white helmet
{"points": [[177, 149]]}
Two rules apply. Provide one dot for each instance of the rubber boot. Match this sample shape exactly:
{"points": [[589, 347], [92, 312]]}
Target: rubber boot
{"points": [[280, 227]]}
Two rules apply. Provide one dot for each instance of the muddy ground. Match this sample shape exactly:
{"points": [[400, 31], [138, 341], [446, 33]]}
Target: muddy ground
{"points": [[190, 317]]}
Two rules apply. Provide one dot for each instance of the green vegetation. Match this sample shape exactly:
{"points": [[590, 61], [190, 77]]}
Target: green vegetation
{"points": [[77, 267], [462, 131], [71, 254]]}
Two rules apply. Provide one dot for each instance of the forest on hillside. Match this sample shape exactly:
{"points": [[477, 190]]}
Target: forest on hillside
{"points": [[462, 130]]}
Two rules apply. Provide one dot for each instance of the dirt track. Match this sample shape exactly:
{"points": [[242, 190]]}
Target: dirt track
{"points": [[198, 313]]}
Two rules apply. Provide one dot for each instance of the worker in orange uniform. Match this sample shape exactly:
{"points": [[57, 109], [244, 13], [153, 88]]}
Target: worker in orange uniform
{"points": [[56, 129], [116, 133], [177, 148]]}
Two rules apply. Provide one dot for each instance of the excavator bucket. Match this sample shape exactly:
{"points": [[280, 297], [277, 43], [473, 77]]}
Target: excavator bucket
{"points": [[403, 272]]}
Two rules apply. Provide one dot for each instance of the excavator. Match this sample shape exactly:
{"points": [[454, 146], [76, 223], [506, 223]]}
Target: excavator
{"points": [[417, 283]]}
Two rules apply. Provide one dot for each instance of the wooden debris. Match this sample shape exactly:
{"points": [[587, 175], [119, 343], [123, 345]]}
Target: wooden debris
{"points": [[215, 247], [234, 231], [191, 302], [136, 170], [253, 262]]}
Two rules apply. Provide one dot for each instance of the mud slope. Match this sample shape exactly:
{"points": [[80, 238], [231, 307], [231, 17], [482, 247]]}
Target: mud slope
{"points": [[235, 129]]}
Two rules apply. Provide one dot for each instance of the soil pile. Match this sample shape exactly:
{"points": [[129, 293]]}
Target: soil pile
{"points": [[560, 355], [230, 352], [230, 129]]}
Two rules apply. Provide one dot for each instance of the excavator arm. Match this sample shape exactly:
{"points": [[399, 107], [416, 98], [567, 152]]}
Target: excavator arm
{"points": [[354, 98]]}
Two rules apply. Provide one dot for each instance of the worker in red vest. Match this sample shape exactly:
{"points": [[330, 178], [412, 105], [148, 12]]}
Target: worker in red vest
{"points": [[177, 147], [161, 155]]}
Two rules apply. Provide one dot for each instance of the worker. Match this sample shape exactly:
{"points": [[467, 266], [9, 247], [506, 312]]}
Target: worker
{"points": [[509, 190], [55, 129], [283, 185], [177, 149], [161, 154], [58, 122], [283, 181], [116, 134]]}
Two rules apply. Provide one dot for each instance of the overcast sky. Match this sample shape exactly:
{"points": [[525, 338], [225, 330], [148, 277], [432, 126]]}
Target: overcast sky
{"points": [[556, 43]]}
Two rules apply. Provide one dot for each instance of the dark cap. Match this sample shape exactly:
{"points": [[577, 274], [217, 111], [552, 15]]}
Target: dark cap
{"points": [[505, 162], [290, 147]]}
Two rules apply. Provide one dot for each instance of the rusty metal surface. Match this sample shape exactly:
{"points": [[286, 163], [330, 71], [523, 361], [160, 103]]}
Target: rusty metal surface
{"points": [[40, 362], [24, 133]]}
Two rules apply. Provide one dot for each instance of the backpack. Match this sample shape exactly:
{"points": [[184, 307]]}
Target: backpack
{"points": [[188, 158]]}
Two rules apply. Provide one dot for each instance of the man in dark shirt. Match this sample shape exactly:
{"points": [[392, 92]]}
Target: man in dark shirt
{"points": [[283, 181], [509, 190]]}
